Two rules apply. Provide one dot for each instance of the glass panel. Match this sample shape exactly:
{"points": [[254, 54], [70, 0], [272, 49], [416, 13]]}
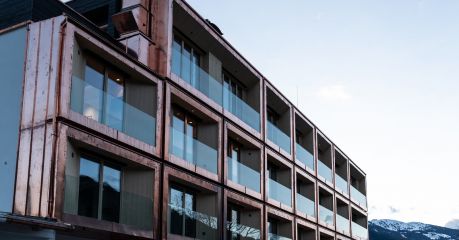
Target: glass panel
{"points": [[242, 174], [304, 156], [88, 198], [342, 223], [359, 231], [341, 183], [176, 56], [93, 94], [207, 223], [278, 137], [176, 216], [239, 231], [358, 196], [324, 171], [326, 215], [241, 109], [279, 192], [142, 125], [111, 194], [272, 236], [190, 223], [114, 106], [305, 205], [193, 74], [203, 155]]}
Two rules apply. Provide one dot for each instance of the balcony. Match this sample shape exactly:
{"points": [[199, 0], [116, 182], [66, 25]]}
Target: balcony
{"points": [[325, 161], [304, 143], [326, 215], [342, 216], [279, 182], [100, 192], [305, 196], [326, 236], [341, 175], [305, 232], [193, 136], [243, 221], [358, 187], [243, 159], [279, 229], [359, 224], [200, 61], [192, 213], [106, 97], [278, 121]]}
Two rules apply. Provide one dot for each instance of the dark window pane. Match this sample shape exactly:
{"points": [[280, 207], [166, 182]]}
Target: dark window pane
{"points": [[176, 212], [190, 222], [111, 194], [88, 198]]}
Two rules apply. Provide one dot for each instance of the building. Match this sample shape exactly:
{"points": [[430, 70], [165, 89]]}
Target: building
{"points": [[137, 119]]}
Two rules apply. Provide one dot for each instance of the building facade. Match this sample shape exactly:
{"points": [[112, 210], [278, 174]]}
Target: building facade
{"points": [[136, 119]]}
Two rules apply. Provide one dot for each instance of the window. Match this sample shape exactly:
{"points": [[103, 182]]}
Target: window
{"points": [[182, 205], [103, 94], [234, 219], [234, 153], [184, 133], [99, 190], [185, 61], [273, 117]]}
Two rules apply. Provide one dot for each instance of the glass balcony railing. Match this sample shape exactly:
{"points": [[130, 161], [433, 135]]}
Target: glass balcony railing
{"points": [[358, 196], [359, 231], [241, 109], [198, 78], [324, 171], [326, 215], [279, 192], [136, 210], [341, 183], [242, 231], [304, 156], [305, 205], [193, 151], [97, 104], [342, 224], [278, 137], [205, 223], [244, 175], [272, 236]]}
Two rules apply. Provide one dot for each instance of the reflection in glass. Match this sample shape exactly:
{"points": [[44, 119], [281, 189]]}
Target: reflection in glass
{"points": [[111, 194], [88, 198]]}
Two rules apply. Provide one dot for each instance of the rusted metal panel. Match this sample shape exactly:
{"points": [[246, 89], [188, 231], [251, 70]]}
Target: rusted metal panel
{"points": [[35, 171], [22, 172], [46, 176]]}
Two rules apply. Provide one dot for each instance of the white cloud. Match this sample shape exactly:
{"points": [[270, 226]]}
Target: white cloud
{"points": [[334, 92]]}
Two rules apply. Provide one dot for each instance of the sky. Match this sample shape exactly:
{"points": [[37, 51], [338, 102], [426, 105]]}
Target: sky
{"points": [[379, 78]]}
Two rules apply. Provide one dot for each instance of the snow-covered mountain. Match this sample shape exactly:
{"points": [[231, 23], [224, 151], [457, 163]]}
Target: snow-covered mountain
{"points": [[454, 224], [395, 230]]}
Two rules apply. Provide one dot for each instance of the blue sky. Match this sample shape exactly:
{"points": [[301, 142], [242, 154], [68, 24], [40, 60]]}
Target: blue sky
{"points": [[380, 78]]}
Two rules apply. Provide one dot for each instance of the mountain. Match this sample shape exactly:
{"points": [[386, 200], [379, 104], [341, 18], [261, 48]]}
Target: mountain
{"points": [[454, 224], [395, 230]]}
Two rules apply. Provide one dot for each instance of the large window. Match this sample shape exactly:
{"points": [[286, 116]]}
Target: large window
{"points": [[99, 190], [118, 192], [182, 204], [184, 133], [192, 213], [185, 61], [106, 108]]}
